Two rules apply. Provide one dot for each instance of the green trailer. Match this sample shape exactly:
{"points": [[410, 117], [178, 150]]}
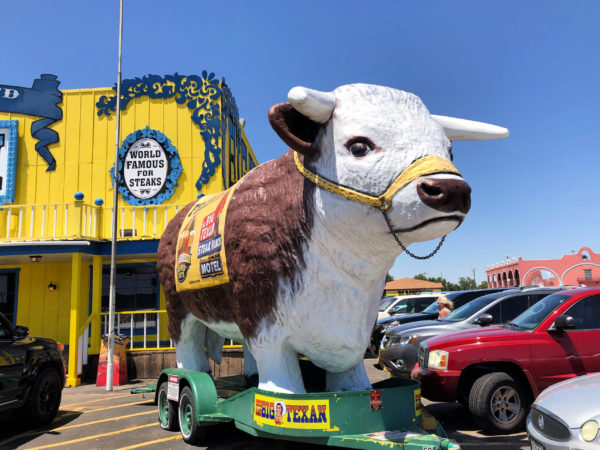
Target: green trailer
{"points": [[390, 415]]}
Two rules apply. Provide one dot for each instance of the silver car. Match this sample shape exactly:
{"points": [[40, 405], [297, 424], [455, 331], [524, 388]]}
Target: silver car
{"points": [[567, 416]]}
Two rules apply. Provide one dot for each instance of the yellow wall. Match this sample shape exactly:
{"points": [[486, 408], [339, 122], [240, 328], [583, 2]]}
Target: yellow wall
{"points": [[389, 293], [44, 312], [84, 155], [86, 149]]}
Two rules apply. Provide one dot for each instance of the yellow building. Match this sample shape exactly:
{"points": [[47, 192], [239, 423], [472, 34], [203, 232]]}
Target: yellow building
{"points": [[407, 286], [181, 137]]}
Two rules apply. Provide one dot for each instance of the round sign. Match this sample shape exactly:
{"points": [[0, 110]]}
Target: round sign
{"points": [[145, 168]]}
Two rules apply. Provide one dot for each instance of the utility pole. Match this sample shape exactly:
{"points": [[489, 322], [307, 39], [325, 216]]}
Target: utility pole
{"points": [[474, 281], [113, 247]]}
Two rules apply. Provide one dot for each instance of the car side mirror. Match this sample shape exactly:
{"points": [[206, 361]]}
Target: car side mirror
{"points": [[21, 332], [564, 323], [484, 319]]}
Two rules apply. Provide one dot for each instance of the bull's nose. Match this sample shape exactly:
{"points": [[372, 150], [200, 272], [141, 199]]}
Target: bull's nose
{"points": [[445, 195]]}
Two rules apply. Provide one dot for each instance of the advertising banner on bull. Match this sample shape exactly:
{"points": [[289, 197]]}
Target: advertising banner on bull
{"points": [[200, 258], [292, 413]]}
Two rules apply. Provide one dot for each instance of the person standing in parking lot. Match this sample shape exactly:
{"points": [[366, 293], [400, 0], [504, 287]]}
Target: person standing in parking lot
{"points": [[446, 306]]}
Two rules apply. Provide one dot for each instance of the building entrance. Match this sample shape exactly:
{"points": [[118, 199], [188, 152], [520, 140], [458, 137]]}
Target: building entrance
{"points": [[8, 294]]}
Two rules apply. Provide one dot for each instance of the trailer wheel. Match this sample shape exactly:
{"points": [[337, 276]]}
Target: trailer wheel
{"points": [[191, 431], [167, 411]]}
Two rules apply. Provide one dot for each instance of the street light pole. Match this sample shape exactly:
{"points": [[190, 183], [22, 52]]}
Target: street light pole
{"points": [[113, 247], [474, 281]]}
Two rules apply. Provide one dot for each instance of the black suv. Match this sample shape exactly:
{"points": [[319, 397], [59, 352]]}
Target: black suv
{"points": [[32, 374], [385, 324]]}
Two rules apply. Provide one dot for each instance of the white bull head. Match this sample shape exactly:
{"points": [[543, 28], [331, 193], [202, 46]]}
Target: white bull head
{"points": [[364, 137]]}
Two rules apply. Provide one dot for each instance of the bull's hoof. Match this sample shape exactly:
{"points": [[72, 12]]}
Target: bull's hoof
{"points": [[252, 380]]}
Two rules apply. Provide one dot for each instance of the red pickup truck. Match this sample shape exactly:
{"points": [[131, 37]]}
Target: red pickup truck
{"points": [[497, 372]]}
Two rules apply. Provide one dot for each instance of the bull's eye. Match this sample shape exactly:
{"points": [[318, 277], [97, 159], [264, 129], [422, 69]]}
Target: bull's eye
{"points": [[359, 146]]}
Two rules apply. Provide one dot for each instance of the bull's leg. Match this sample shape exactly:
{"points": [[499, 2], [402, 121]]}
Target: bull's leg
{"points": [[352, 380], [250, 369], [190, 349], [278, 369]]}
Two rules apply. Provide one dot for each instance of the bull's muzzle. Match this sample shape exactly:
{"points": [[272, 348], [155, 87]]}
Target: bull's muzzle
{"points": [[444, 194]]}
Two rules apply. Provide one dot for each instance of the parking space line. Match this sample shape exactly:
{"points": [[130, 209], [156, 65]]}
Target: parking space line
{"points": [[143, 444], [115, 406], [87, 438], [44, 431], [498, 443], [106, 397], [66, 427]]}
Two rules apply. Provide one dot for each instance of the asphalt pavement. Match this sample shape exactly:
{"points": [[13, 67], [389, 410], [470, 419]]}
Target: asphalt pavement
{"points": [[92, 418]]}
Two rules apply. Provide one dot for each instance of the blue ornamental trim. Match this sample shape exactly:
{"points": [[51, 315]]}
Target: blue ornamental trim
{"points": [[229, 111], [173, 172], [229, 106], [200, 94], [9, 144], [41, 100]]}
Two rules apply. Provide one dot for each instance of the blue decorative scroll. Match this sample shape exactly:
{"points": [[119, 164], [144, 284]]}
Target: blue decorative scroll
{"points": [[174, 171], [200, 94], [8, 174], [40, 100], [230, 118]]}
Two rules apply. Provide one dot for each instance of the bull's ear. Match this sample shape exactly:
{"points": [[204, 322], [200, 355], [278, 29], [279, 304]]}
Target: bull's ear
{"points": [[295, 129]]}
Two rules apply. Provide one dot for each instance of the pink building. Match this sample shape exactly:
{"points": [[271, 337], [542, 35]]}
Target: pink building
{"points": [[581, 268]]}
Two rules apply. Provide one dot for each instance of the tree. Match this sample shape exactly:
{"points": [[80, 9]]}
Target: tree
{"points": [[389, 278], [447, 285], [482, 285], [465, 283]]}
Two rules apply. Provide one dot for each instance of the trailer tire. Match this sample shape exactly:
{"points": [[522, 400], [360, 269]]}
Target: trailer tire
{"points": [[167, 410], [191, 431]]}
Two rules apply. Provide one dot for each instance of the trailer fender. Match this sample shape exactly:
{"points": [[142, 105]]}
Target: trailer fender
{"points": [[202, 386]]}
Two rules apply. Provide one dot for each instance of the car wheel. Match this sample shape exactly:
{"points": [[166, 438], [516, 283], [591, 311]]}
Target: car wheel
{"points": [[191, 431], [497, 403], [167, 411], [44, 398]]}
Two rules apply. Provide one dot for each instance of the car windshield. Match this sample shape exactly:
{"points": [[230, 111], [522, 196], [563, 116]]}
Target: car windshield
{"points": [[385, 302], [433, 308], [532, 317], [468, 309]]}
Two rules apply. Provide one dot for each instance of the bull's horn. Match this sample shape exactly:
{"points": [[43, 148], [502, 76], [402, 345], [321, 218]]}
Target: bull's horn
{"points": [[316, 105], [469, 130]]}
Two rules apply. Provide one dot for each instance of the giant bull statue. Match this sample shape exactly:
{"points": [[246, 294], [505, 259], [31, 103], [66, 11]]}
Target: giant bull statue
{"points": [[309, 237]]}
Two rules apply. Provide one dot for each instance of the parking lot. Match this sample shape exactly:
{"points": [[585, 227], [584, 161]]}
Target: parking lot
{"points": [[92, 418]]}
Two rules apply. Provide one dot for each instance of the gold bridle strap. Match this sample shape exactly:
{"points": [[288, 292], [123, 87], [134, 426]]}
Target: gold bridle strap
{"points": [[427, 165]]}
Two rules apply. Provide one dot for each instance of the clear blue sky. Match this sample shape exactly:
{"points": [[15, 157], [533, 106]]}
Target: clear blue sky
{"points": [[531, 66]]}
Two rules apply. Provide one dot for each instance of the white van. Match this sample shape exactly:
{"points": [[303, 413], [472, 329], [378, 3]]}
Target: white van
{"points": [[406, 304]]}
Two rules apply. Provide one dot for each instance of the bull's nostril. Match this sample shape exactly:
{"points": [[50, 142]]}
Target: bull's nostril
{"points": [[431, 189], [445, 195]]}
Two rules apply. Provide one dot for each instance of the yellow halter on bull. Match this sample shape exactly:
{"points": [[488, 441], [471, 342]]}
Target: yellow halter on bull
{"points": [[428, 165]]}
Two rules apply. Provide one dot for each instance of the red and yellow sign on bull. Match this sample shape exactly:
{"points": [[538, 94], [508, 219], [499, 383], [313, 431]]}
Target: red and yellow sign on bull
{"points": [[200, 257]]}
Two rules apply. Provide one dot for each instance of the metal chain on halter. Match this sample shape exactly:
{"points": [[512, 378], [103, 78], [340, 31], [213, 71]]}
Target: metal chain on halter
{"points": [[407, 251]]}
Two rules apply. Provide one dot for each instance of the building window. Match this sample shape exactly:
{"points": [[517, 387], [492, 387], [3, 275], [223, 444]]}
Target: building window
{"points": [[137, 288], [587, 273]]}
